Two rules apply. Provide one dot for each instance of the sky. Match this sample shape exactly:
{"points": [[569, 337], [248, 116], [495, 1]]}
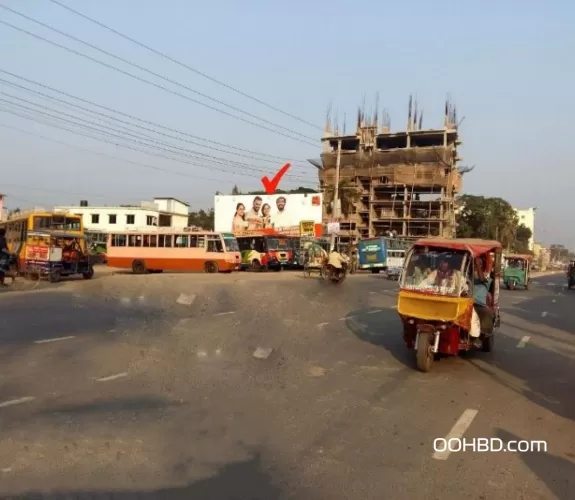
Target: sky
{"points": [[506, 66]]}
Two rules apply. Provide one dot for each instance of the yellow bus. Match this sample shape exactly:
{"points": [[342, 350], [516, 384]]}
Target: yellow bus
{"points": [[19, 224]]}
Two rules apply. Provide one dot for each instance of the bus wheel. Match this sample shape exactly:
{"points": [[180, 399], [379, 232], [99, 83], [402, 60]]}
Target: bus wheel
{"points": [[210, 267], [138, 267]]}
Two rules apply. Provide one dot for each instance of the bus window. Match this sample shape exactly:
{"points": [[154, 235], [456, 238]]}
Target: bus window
{"points": [[193, 241], [181, 241], [201, 241], [165, 240], [134, 240], [118, 240], [215, 244], [150, 240]]}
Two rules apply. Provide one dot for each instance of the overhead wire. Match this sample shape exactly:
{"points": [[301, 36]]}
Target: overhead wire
{"points": [[105, 155], [70, 104], [305, 140], [170, 147], [243, 173], [183, 65]]}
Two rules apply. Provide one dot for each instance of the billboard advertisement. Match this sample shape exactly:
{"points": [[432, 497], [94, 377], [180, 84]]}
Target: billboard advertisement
{"points": [[249, 212]]}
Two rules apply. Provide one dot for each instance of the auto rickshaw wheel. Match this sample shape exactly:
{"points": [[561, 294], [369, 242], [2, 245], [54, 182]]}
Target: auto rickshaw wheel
{"points": [[487, 344], [89, 274], [424, 354], [54, 276]]}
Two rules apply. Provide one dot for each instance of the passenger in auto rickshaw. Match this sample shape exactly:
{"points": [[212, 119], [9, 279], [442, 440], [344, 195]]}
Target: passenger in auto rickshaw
{"points": [[482, 298]]}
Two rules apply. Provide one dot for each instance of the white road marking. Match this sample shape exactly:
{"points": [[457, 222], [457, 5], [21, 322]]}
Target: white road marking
{"points": [[457, 432], [346, 318], [186, 300], [543, 314], [13, 402], [112, 377], [202, 354], [262, 352], [553, 301], [523, 342], [45, 341], [125, 300], [225, 313], [375, 311], [320, 325]]}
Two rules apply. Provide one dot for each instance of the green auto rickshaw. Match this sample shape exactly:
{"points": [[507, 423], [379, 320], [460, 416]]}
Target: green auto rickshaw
{"points": [[517, 271], [571, 274]]}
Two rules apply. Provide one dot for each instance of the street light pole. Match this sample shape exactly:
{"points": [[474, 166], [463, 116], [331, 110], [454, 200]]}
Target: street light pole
{"points": [[336, 206]]}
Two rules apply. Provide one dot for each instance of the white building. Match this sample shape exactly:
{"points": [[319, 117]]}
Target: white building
{"points": [[527, 218], [161, 212]]}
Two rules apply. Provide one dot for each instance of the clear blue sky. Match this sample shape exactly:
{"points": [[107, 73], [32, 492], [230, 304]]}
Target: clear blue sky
{"points": [[507, 65]]}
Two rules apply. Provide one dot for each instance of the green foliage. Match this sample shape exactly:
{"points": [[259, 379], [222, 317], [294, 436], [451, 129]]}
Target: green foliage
{"points": [[347, 194], [202, 219], [299, 190], [491, 219]]}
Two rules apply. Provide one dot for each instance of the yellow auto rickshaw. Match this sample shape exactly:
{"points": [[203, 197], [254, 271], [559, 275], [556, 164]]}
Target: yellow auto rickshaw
{"points": [[449, 297]]}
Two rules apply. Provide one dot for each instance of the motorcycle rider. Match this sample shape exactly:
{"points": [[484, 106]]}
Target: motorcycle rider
{"points": [[337, 261]]}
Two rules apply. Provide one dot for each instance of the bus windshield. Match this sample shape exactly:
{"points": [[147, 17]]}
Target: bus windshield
{"points": [[277, 244], [231, 245]]}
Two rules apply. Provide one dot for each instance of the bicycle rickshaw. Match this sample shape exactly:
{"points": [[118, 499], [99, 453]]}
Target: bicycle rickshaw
{"points": [[449, 297]]}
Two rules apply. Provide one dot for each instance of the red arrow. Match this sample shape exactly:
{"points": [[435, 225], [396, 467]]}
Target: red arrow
{"points": [[271, 186]]}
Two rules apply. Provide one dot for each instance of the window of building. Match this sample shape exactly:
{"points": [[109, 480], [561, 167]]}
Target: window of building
{"points": [[150, 220], [119, 240], [95, 218], [130, 219], [165, 241], [111, 218]]}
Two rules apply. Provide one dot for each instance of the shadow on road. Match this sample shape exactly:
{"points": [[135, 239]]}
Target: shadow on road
{"points": [[557, 473], [245, 480]]}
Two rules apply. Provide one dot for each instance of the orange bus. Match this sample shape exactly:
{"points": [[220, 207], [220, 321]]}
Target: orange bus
{"points": [[175, 250]]}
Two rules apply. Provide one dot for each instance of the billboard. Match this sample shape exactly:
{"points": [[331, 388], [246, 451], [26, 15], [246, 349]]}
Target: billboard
{"points": [[248, 212]]}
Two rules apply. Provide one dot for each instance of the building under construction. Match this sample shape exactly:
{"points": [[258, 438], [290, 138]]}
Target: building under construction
{"points": [[403, 183]]}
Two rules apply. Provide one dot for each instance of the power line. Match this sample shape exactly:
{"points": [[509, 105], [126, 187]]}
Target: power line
{"points": [[186, 152], [112, 110], [157, 75], [98, 153], [87, 110], [183, 65], [162, 156]]}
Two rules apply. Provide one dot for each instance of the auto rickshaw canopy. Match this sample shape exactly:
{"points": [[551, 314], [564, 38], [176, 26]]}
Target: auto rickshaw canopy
{"points": [[477, 247], [519, 256]]}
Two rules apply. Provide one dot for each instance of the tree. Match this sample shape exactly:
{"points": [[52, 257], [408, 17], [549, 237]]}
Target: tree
{"points": [[235, 190], [299, 190], [202, 219], [522, 236], [487, 218], [347, 195]]}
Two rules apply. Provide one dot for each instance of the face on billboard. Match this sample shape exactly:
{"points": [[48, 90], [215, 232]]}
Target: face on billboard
{"points": [[253, 212]]}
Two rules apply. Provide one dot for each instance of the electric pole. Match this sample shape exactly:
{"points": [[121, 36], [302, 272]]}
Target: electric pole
{"points": [[336, 203]]}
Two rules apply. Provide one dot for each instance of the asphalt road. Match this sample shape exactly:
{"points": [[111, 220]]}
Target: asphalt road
{"points": [[147, 387]]}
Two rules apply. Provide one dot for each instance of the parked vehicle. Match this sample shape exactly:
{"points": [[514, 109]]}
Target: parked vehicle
{"points": [[55, 254], [374, 253], [517, 271], [264, 252], [173, 250], [449, 297]]}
